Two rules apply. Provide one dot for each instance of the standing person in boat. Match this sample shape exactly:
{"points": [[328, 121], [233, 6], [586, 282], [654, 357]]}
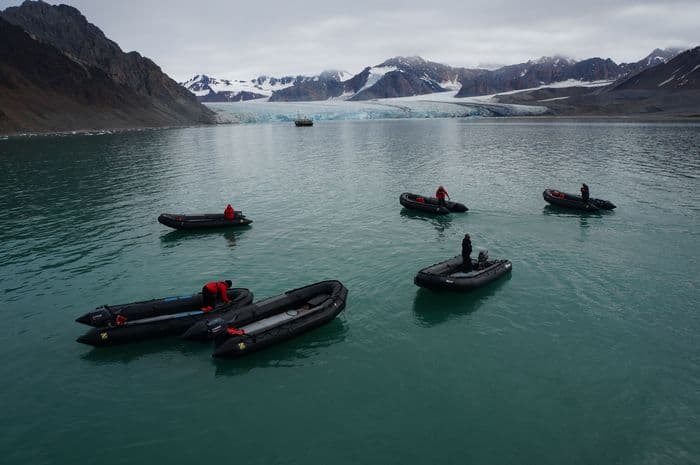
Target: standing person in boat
{"points": [[441, 193], [467, 253], [211, 290], [229, 213], [585, 193]]}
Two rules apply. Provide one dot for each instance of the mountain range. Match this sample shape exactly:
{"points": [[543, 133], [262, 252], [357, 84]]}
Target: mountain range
{"points": [[667, 88], [407, 76], [58, 72]]}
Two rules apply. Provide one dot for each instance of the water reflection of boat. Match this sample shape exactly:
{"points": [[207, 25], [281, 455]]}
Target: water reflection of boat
{"points": [[433, 308], [439, 222]]}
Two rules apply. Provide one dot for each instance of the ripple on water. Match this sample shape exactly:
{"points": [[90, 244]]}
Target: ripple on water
{"points": [[594, 324]]}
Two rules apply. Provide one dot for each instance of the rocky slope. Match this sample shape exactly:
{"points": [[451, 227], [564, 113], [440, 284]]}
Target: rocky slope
{"points": [[328, 84], [546, 70], [404, 76], [656, 57], [111, 89], [682, 73], [670, 89]]}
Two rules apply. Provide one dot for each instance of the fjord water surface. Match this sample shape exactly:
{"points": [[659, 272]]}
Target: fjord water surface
{"points": [[588, 353]]}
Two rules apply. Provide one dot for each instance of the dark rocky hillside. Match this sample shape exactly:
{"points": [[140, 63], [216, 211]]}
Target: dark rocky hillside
{"points": [[670, 89], [408, 76], [546, 70], [656, 57], [59, 72], [307, 88], [412, 76], [681, 73]]}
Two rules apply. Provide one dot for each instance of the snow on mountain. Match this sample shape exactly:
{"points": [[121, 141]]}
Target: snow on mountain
{"points": [[338, 75], [452, 84], [375, 74], [681, 73], [656, 57], [659, 56], [226, 90], [556, 60], [210, 89], [406, 76]]}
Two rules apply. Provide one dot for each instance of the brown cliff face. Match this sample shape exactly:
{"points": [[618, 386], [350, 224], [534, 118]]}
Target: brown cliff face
{"points": [[667, 90], [60, 73], [681, 73], [413, 76], [536, 73]]}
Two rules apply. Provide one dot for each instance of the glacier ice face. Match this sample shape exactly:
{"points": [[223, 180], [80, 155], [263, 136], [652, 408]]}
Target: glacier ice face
{"points": [[431, 106]]}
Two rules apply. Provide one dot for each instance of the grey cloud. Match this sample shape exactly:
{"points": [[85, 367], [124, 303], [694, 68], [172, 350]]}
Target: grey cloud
{"points": [[243, 39]]}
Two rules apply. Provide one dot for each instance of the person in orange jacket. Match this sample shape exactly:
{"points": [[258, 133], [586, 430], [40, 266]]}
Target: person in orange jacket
{"points": [[210, 292], [441, 193], [229, 213]]}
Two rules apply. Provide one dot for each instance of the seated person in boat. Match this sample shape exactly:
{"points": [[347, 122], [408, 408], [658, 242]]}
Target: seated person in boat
{"points": [[211, 290], [466, 254], [440, 194], [585, 193], [229, 213]]}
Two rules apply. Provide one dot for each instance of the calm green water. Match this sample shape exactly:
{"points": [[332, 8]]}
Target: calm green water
{"points": [[589, 353]]}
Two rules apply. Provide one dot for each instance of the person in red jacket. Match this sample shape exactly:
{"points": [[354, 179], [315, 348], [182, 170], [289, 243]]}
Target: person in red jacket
{"points": [[441, 193], [229, 213], [211, 290]]}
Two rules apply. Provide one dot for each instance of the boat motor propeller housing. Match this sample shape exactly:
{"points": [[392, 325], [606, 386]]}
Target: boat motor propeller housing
{"points": [[215, 326]]}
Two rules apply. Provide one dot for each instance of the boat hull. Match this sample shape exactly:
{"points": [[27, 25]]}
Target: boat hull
{"points": [[284, 317], [446, 275], [204, 221], [575, 202], [171, 324], [430, 205]]}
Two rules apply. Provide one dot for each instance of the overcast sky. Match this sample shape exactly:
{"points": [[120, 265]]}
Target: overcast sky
{"points": [[237, 39]]}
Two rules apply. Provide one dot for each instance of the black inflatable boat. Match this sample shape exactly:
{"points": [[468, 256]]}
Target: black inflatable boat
{"points": [[430, 204], [273, 320], [448, 275], [562, 199], [120, 324], [204, 221]]}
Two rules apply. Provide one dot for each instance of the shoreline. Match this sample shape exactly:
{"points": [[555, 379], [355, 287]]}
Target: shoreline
{"points": [[96, 132]]}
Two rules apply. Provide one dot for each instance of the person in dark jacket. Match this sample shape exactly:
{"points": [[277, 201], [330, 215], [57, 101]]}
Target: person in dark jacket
{"points": [[440, 194], [466, 253], [585, 193], [210, 292]]}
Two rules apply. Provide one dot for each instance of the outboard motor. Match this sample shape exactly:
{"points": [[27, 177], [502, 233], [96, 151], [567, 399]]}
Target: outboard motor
{"points": [[215, 326], [101, 317], [483, 259]]}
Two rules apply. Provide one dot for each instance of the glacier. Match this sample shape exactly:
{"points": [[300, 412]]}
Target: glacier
{"points": [[439, 105]]}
